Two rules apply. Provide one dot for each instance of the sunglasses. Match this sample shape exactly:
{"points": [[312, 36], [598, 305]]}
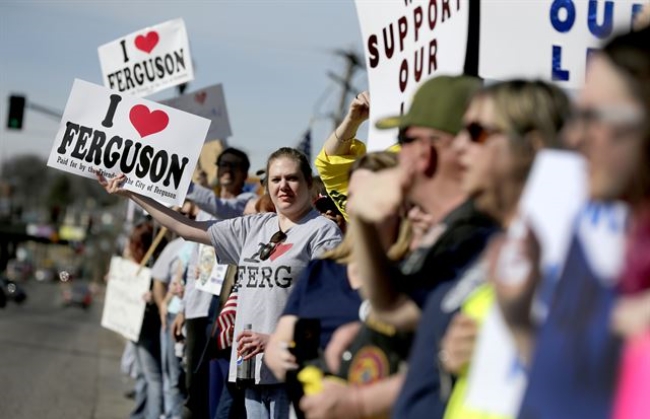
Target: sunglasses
{"points": [[268, 248], [478, 133]]}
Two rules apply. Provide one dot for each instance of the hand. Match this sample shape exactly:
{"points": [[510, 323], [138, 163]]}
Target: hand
{"points": [[374, 207], [115, 185], [251, 343], [177, 327], [457, 345], [336, 401], [279, 360], [359, 110], [631, 315], [341, 340]]}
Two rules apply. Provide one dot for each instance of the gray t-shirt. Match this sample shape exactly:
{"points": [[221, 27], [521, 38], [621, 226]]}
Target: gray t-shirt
{"points": [[166, 265], [265, 285]]}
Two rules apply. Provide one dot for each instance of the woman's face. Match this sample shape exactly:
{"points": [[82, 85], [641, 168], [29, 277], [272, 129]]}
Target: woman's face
{"points": [[288, 187], [484, 153], [610, 120]]}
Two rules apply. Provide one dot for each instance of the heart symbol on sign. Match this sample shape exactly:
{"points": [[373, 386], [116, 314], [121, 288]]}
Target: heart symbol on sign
{"points": [[147, 122], [200, 97], [147, 43], [280, 250]]}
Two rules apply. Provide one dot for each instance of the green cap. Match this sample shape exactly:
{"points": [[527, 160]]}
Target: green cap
{"points": [[439, 103]]}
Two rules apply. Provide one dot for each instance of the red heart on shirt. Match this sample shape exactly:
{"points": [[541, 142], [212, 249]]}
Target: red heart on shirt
{"points": [[280, 250], [147, 42], [147, 122]]}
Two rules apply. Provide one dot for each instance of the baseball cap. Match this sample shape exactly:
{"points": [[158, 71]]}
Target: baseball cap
{"points": [[439, 103]]}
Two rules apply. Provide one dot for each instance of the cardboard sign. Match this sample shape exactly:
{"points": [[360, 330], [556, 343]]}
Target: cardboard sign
{"points": [[549, 39], [213, 282], [123, 304], [147, 61], [406, 43], [208, 103], [155, 146]]}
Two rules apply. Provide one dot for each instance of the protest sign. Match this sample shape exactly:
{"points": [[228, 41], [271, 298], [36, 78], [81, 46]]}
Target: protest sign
{"points": [[549, 39], [213, 281], [123, 304], [406, 43], [155, 146], [148, 61], [208, 103]]}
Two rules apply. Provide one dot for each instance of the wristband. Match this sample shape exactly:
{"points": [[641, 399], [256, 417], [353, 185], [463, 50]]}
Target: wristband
{"points": [[342, 140]]}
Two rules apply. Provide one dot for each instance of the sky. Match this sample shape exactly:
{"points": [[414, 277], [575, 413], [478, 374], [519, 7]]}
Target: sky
{"points": [[272, 56]]}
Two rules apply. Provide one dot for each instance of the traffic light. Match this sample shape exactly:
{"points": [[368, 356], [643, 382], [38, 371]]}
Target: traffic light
{"points": [[16, 112]]}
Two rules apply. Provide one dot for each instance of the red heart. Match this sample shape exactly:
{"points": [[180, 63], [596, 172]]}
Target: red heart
{"points": [[146, 122], [147, 43], [280, 250], [200, 97]]}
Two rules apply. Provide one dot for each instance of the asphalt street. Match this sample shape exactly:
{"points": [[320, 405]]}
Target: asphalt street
{"points": [[58, 362]]}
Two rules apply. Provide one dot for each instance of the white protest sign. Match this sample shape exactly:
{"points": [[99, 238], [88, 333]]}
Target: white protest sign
{"points": [[213, 282], [157, 147], [548, 39], [406, 43], [123, 304], [148, 61], [210, 103], [555, 192], [497, 379]]}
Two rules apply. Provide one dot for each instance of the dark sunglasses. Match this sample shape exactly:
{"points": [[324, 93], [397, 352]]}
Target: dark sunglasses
{"points": [[478, 133], [268, 249]]}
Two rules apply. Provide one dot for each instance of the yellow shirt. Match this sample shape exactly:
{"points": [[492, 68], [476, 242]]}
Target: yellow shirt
{"points": [[334, 170], [477, 306]]}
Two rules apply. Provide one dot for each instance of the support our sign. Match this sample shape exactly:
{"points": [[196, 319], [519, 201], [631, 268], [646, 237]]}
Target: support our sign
{"points": [[407, 42], [149, 60], [209, 103], [156, 146], [123, 305]]}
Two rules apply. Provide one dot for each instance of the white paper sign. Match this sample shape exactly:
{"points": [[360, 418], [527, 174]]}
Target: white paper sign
{"points": [[406, 43], [555, 192], [209, 103], [157, 147], [147, 61], [496, 380], [213, 282], [549, 39], [123, 304]]}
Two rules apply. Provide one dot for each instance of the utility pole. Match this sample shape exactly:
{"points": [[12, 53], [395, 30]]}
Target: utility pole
{"points": [[353, 64]]}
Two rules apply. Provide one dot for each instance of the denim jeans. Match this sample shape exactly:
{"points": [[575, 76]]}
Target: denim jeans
{"points": [[267, 402], [172, 371], [147, 358]]}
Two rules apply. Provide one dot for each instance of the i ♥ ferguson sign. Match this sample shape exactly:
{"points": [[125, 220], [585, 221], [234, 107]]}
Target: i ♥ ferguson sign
{"points": [[155, 146], [148, 61]]}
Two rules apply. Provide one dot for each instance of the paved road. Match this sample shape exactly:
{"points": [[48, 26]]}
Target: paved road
{"points": [[58, 362]]}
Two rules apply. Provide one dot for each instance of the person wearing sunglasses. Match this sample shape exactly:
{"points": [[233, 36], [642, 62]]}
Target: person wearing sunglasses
{"points": [[271, 250]]}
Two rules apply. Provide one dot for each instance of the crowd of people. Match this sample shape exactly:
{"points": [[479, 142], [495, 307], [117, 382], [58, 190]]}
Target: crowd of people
{"points": [[376, 305]]}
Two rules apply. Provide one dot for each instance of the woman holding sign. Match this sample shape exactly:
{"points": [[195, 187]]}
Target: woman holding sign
{"points": [[271, 251]]}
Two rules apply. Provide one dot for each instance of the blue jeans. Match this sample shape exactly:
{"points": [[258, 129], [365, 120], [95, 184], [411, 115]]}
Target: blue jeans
{"points": [[267, 402], [172, 373], [147, 358]]}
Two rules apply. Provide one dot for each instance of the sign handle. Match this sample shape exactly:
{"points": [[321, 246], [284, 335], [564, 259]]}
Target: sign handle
{"points": [[152, 249]]}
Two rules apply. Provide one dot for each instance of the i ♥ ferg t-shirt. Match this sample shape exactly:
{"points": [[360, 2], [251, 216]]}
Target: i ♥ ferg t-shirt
{"points": [[265, 285]]}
